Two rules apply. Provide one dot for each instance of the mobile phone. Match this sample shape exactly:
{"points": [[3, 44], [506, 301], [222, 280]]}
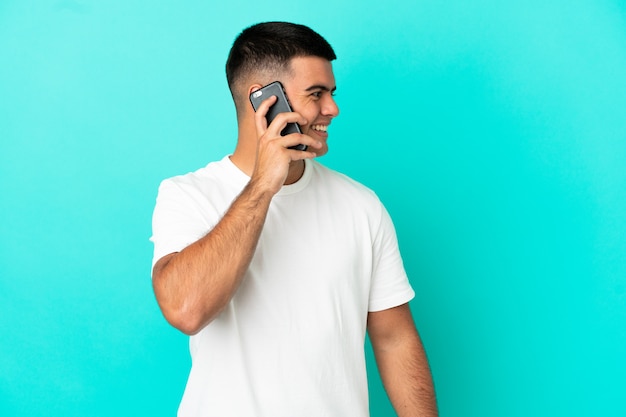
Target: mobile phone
{"points": [[281, 106]]}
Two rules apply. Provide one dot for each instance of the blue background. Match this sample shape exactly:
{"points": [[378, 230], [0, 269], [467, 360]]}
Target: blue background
{"points": [[495, 133]]}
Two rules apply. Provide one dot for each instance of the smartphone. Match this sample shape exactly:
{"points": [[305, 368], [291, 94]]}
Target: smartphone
{"points": [[281, 106]]}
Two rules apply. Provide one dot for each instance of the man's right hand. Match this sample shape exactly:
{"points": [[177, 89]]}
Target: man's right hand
{"points": [[274, 158]]}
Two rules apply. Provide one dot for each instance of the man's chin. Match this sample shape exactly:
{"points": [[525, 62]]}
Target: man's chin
{"points": [[320, 152]]}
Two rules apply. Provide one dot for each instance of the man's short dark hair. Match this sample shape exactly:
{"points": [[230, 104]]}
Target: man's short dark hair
{"points": [[270, 46]]}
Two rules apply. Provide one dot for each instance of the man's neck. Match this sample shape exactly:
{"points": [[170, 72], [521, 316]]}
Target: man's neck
{"points": [[245, 159], [296, 171]]}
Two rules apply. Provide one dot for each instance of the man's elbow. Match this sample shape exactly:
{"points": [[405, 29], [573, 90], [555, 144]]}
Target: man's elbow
{"points": [[189, 315], [188, 322], [186, 326], [179, 313], [177, 309]]}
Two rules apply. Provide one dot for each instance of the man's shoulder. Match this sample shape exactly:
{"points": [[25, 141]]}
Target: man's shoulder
{"points": [[214, 173], [218, 179], [212, 169]]}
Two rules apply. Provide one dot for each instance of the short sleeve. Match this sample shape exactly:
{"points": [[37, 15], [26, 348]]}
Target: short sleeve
{"points": [[390, 284], [177, 220]]}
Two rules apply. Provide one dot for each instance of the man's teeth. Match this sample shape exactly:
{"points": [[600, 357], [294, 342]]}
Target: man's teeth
{"points": [[320, 128]]}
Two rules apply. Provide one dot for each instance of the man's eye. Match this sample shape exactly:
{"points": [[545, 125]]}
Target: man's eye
{"points": [[317, 94]]}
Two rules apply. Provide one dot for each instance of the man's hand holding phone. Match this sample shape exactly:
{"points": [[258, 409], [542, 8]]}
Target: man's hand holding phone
{"points": [[275, 149], [281, 105]]}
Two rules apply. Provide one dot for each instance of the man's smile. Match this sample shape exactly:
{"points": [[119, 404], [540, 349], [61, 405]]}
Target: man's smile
{"points": [[320, 128]]}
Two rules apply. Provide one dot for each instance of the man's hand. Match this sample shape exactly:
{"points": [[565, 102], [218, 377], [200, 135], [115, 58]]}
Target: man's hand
{"points": [[273, 154]]}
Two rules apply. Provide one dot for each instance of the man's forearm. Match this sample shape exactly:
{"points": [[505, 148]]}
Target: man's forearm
{"points": [[402, 362], [194, 285], [407, 380]]}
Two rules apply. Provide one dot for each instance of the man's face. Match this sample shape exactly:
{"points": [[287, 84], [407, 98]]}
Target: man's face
{"points": [[310, 89]]}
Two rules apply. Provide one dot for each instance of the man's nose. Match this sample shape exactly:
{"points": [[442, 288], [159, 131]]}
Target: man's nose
{"points": [[330, 107]]}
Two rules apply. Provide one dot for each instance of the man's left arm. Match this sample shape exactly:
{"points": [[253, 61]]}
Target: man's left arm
{"points": [[402, 362]]}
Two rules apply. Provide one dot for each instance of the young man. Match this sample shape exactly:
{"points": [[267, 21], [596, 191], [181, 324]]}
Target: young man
{"points": [[277, 266]]}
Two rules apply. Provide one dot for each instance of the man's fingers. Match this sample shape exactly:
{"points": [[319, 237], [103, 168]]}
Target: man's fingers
{"points": [[273, 129], [271, 133], [294, 139], [261, 113], [291, 117]]}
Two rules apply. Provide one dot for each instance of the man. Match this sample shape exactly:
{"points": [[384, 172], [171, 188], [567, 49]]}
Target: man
{"points": [[276, 266]]}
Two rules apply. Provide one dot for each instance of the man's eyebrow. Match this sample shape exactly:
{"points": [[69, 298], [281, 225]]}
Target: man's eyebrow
{"points": [[321, 87]]}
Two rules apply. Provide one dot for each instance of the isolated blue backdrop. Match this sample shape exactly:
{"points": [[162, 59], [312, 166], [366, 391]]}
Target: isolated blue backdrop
{"points": [[493, 131]]}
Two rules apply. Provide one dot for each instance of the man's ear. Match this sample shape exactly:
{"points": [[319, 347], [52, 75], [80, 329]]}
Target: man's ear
{"points": [[252, 88]]}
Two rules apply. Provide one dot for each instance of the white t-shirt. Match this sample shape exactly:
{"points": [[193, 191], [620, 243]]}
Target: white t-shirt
{"points": [[291, 340]]}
